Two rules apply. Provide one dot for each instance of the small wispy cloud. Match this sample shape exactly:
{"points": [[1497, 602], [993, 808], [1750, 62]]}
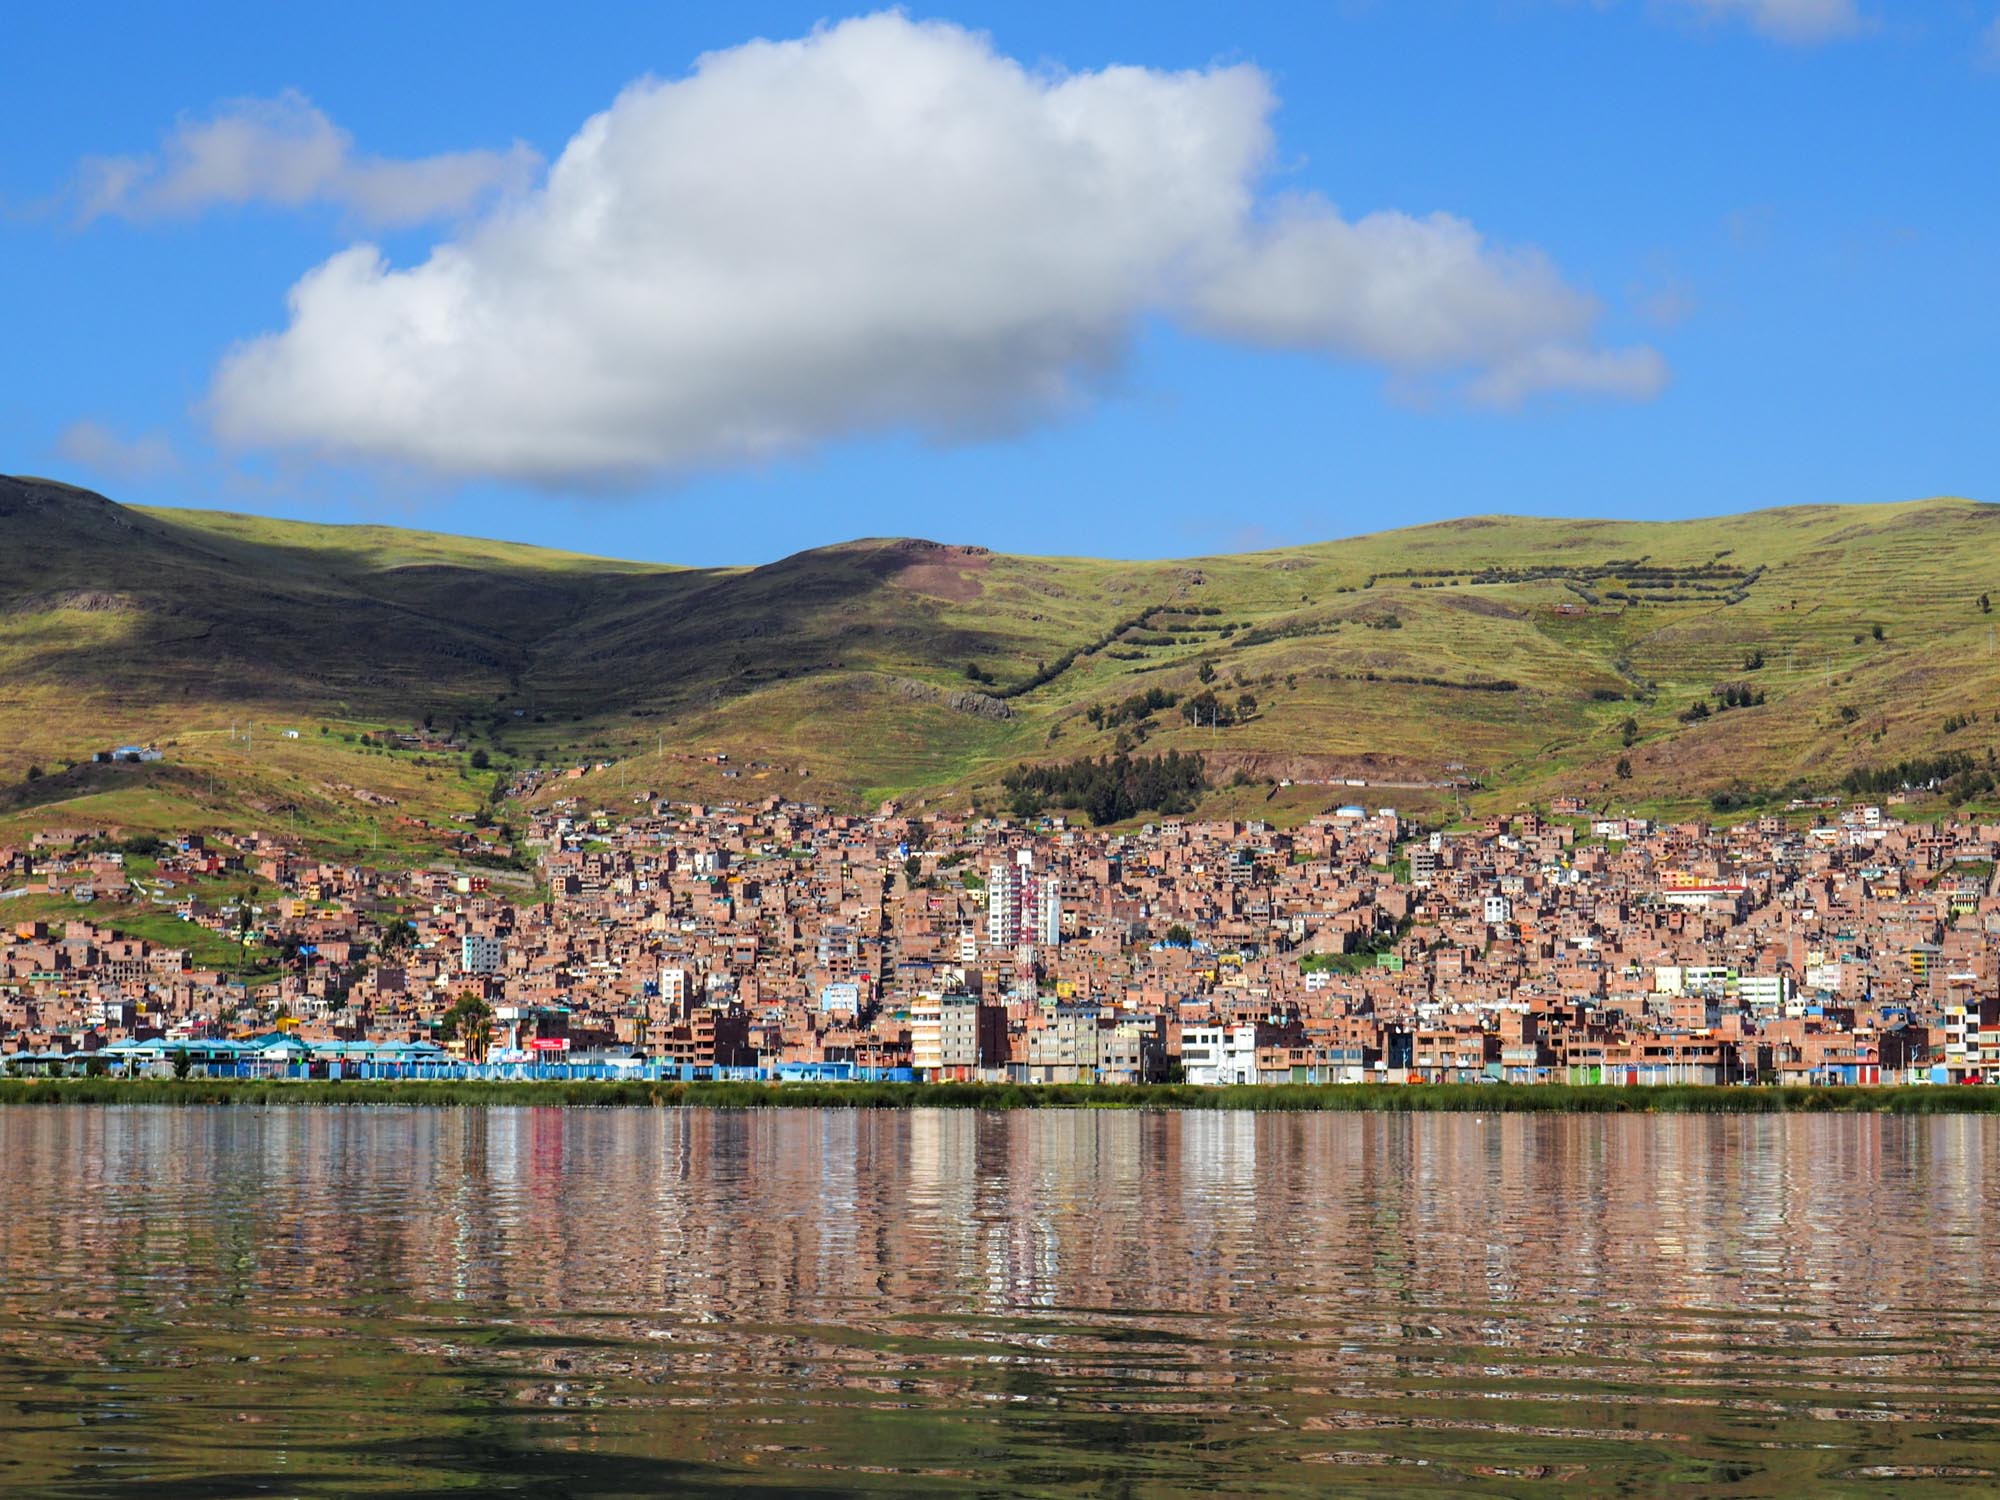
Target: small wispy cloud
{"points": [[1637, 374], [1664, 300], [93, 446], [285, 151], [1800, 21], [1750, 228]]}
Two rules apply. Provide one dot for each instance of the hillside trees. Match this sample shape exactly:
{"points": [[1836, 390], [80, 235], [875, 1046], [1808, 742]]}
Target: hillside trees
{"points": [[1137, 708], [1112, 789], [1922, 770], [1206, 708]]}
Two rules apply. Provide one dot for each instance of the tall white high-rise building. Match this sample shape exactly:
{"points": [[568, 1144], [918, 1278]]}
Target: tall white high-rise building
{"points": [[1003, 904], [1048, 911], [1023, 906]]}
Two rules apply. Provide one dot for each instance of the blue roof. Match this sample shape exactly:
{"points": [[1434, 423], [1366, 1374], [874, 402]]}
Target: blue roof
{"points": [[273, 1040]]}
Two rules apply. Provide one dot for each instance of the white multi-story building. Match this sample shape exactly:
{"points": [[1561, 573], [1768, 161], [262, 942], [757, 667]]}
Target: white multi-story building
{"points": [[1219, 1054], [673, 986], [478, 954], [1023, 907], [1003, 902], [1765, 994], [1048, 912], [1692, 979]]}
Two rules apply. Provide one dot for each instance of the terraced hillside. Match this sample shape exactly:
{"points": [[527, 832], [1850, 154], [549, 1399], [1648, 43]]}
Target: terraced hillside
{"points": [[1518, 652]]}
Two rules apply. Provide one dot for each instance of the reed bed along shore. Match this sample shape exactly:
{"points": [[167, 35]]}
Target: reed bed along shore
{"points": [[1407, 1098]]}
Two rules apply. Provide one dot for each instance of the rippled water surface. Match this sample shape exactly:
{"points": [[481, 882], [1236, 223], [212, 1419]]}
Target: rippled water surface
{"points": [[376, 1301]]}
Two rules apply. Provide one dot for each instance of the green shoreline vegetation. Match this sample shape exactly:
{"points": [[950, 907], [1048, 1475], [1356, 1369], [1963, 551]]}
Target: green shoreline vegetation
{"points": [[1275, 1098]]}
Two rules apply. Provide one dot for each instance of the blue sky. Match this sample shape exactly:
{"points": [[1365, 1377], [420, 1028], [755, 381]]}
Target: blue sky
{"points": [[1700, 256]]}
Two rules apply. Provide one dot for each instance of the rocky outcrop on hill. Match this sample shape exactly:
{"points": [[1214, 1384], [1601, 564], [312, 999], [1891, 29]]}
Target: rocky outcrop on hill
{"points": [[980, 704]]}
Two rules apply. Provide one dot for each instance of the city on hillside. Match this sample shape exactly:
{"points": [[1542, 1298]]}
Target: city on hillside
{"points": [[1829, 944]]}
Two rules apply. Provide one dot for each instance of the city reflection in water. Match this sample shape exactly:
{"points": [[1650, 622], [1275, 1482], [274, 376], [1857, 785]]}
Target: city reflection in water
{"points": [[326, 1301]]}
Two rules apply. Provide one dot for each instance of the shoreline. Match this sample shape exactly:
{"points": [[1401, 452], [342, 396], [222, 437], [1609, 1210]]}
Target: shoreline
{"points": [[1261, 1098]]}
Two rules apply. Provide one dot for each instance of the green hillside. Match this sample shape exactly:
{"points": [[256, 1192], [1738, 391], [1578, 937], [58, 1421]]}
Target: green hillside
{"points": [[1508, 650]]}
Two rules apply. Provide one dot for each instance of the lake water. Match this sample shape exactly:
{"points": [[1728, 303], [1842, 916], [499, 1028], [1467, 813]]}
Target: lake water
{"points": [[633, 1302]]}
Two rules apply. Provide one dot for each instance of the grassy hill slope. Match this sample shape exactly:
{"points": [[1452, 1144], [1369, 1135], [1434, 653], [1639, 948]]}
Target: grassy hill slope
{"points": [[1510, 649]]}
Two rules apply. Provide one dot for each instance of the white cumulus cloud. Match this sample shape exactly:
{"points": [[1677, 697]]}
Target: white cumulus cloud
{"points": [[1790, 20], [885, 225], [285, 151], [1405, 292]]}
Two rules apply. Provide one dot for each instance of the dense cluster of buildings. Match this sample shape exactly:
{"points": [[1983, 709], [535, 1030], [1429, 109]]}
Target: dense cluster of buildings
{"points": [[1829, 944]]}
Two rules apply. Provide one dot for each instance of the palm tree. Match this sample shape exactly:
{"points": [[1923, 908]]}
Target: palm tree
{"points": [[470, 1022]]}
